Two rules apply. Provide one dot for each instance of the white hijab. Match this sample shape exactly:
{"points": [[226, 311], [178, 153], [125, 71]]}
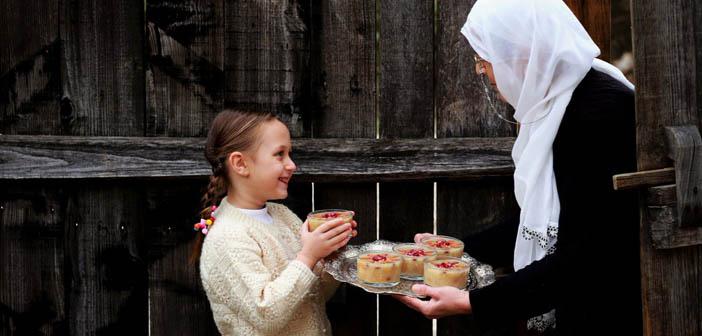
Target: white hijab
{"points": [[539, 53]]}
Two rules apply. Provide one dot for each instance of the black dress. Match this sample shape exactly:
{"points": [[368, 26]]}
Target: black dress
{"points": [[593, 278]]}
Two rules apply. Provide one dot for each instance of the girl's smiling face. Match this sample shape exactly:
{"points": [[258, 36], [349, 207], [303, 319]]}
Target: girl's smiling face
{"points": [[270, 164]]}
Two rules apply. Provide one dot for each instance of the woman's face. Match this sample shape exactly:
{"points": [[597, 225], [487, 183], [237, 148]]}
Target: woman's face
{"points": [[484, 68]]}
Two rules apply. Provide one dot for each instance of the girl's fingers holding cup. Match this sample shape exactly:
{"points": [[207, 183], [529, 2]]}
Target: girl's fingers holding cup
{"points": [[343, 235], [330, 225], [342, 243], [336, 231]]}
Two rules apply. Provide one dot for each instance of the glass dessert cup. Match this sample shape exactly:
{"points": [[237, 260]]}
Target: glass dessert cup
{"points": [[413, 258], [379, 268], [319, 217], [444, 245], [446, 271]]}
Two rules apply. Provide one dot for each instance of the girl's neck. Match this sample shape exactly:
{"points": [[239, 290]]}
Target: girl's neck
{"points": [[243, 200]]}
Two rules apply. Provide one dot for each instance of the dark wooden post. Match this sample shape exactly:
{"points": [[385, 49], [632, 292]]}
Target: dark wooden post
{"points": [[668, 74]]}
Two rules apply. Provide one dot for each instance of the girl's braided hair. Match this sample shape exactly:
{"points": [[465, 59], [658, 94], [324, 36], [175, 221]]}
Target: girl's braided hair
{"points": [[230, 131]]}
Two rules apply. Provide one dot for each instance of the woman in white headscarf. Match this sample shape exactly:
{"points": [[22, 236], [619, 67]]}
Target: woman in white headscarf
{"points": [[575, 245]]}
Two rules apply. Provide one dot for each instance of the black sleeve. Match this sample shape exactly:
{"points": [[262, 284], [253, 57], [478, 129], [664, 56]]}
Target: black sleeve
{"points": [[494, 246], [593, 143]]}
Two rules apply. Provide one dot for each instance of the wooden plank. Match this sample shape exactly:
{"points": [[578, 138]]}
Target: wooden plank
{"points": [[462, 106], [175, 288], [596, 17], [406, 107], [467, 208], [343, 75], [343, 68], [32, 292], [30, 75], [184, 68], [106, 275], [354, 160], [685, 145], [662, 213], [352, 311], [406, 69], [666, 95], [266, 68], [643, 178], [103, 70], [405, 209]]}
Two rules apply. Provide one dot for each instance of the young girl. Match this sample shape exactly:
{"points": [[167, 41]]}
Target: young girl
{"points": [[259, 263]]}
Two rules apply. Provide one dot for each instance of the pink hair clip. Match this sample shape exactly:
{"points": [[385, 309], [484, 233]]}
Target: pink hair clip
{"points": [[205, 224]]}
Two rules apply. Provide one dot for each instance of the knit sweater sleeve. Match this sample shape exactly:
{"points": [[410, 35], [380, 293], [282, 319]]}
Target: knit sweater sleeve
{"points": [[254, 292]]}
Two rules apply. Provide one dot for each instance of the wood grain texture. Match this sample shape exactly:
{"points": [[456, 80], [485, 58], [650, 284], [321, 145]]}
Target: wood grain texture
{"points": [[667, 75], [353, 160], [106, 271], [662, 212], [343, 68], [103, 68], [267, 63], [406, 208], [406, 69], [352, 311], [643, 178], [596, 17], [175, 288], [30, 73], [32, 251], [462, 106], [343, 74], [685, 145], [184, 68]]}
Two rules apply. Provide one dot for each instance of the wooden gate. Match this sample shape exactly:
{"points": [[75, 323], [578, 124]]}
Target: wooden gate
{"points": [[104, 106]]}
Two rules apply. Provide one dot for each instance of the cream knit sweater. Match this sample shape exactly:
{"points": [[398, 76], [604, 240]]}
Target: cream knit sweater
{"points": [[252, 280]]}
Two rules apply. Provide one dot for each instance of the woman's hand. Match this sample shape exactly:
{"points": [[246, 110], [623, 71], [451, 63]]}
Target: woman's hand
{"points": [[445, 301], [327, 238], [419, 236]]}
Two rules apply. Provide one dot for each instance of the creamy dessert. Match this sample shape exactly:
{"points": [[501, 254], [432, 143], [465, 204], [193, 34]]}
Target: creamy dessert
{"points": [[319, 217], [446, 272], [445, 245], [413, 258], [379, 268]]}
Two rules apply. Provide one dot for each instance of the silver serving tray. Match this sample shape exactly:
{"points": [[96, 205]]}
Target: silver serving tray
{"points": [[342, 266]]}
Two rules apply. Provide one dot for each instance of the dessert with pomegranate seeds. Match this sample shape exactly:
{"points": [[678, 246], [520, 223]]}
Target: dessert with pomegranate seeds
{"points": [[413, 258], [319, 217], [446, 272], [379, 268], [445, 245]]}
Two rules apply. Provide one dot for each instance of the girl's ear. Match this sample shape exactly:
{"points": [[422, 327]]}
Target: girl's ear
{"points": [[238, 164]]}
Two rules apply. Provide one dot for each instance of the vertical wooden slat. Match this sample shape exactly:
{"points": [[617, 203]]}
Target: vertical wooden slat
{"points": [[462, 109], [32, 295], [406, 69], [406, 111], [596, 17], [266, 63], [177, 302], [106, 272], [103, 71], [184, 73], [30, 75], [343, 84], [343, 68], [667, 92]]}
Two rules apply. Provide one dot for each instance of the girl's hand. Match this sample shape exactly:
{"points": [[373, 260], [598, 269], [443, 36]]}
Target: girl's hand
{"points": [[419, 236], [326, 239], [444, 301]]}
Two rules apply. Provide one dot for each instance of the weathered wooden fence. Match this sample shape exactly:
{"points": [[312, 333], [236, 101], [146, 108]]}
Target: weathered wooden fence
{"points": [[104, 106]]}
